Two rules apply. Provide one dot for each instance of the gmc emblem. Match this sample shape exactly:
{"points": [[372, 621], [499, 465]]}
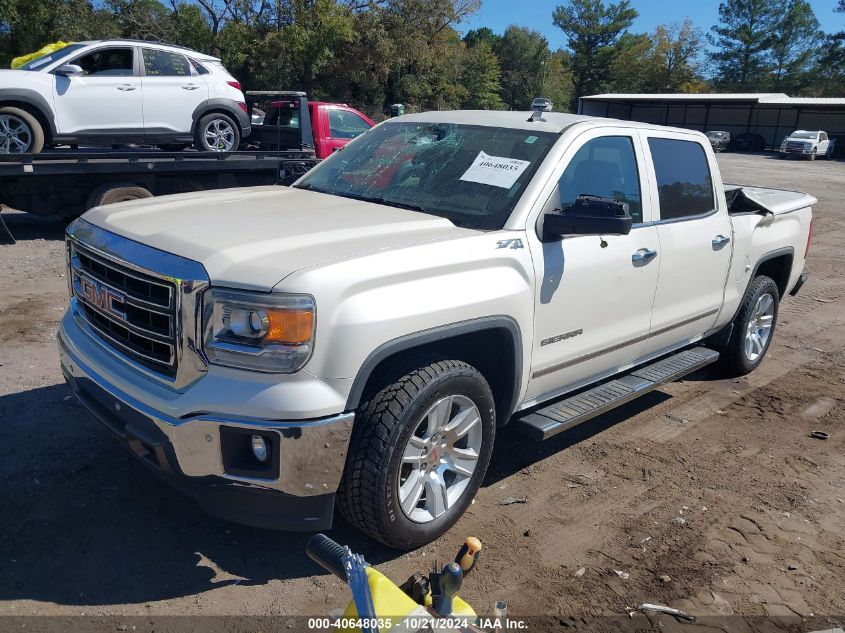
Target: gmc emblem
{"points": [[101, 296]]}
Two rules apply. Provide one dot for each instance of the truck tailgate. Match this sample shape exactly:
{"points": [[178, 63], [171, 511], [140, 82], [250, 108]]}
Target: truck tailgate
{"points": [[742, 199]]}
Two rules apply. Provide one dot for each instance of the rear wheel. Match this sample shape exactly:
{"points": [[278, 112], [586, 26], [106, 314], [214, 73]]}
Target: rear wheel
{"points": [[419, 451], [20, 132], [753, 327], [217, 133]]}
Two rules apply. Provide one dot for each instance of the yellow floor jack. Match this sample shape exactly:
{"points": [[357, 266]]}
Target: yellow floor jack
{"points": [[422, 603]]}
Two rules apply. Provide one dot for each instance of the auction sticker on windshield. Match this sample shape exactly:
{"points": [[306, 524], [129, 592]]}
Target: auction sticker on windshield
{"points": [[495, 170]]}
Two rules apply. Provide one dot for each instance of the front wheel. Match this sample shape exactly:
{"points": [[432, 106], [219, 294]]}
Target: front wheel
{"points": [[419, 451], [217, 132], [20, 132], [753, 327]]}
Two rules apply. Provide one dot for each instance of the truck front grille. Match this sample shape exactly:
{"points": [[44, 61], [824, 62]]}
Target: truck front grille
{"points": [[142, 304], [132, 311]]}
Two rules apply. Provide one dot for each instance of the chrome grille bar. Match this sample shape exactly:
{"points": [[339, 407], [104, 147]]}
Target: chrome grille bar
{"points": [[141, 304]]}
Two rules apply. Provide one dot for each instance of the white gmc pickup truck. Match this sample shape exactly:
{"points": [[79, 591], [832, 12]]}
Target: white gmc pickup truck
{"points": [[359, 337]]}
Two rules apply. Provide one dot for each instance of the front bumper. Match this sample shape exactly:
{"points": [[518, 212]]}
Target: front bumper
{"points": [[295, 492], [794, 151]]}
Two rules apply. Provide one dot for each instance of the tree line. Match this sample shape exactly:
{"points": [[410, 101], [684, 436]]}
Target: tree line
{"points": [[372, 53]]}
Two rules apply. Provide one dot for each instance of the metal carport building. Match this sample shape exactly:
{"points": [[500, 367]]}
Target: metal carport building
{"points": [[772, 115]]}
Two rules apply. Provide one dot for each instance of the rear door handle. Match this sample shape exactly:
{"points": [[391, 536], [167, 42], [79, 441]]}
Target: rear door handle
{"points": [[719, 241], [126, 87], [189, 87], [643, 256]]}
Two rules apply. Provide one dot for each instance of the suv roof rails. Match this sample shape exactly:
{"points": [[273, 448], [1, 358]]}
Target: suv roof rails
{"points": [[137, 41]]}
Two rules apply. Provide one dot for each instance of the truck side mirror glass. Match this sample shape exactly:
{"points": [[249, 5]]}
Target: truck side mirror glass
{"points": [[589, 215], [69, 70]]}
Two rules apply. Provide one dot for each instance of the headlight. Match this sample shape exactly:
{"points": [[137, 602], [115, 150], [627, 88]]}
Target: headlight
{"points": [[262, 332]]}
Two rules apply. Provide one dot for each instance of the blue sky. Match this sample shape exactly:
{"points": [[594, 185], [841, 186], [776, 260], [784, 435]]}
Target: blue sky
{"points": [[498, 14]]}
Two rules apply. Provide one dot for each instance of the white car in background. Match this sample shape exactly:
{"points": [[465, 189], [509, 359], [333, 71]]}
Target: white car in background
{"points": [[809, 144], [121, 91]]}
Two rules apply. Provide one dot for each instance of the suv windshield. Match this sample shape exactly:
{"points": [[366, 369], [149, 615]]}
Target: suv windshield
{"points": [[49, 58], [810, 135], [470, 174]]}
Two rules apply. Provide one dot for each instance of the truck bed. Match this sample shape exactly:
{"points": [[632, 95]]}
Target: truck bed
{"points": [[745, 199]]}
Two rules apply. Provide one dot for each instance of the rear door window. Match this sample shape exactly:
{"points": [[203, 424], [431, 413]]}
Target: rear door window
{"points": [[158, 63], [684, 182]]}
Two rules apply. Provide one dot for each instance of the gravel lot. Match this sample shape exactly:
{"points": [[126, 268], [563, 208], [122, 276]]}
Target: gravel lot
{"points": [[709, 494]]}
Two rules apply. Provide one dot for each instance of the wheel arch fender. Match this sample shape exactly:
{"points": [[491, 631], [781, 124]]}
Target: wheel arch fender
{"points": [[776, 264], [32, 102], [222, 106], [500, 364]]}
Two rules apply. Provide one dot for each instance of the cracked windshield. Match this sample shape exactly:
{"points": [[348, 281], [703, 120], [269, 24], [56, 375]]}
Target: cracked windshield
{"points": [[470, 174]]}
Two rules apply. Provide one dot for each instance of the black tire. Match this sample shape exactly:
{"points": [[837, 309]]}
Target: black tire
{"points": [[121, 192], [31, 129], [368, 496], [174, 147], [812, 155], [201, 142], [733, 359]]}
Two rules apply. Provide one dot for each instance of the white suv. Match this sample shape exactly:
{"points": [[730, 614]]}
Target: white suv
{"points": [[121, 91]]}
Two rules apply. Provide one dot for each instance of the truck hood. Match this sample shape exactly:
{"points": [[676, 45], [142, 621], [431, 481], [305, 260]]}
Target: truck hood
{"points": [[253, 238]]}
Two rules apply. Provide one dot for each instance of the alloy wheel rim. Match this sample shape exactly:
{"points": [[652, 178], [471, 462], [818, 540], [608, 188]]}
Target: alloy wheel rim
{"points": [[440, 458], [759, 327], [219, 135], [15, 135]]}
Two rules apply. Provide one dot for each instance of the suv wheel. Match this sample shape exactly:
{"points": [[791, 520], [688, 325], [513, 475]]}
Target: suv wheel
{"points": [[753, 327], [419, 451], [217, 133], [20, 132]]}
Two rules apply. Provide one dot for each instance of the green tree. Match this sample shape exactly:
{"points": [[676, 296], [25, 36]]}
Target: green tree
{"points": [[558, 80], [522, 54], [665, 61], [743, 40], [483, 34], [593, 31], [828, 74], [480, 75], [793, 46]]}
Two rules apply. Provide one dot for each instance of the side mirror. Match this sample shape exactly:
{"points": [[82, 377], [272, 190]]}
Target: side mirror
{"points": [[589, 215], [69, 70]]}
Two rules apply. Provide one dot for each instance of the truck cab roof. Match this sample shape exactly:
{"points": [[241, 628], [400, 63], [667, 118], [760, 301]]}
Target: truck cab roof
{"points": [[555, 122]]}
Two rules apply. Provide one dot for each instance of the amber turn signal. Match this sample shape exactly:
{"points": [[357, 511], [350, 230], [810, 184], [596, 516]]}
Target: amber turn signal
{"points": [[289, 327]]}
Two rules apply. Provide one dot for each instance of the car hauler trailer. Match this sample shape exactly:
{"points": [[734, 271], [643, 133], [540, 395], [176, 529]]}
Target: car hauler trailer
{"points": [[68, 183]]}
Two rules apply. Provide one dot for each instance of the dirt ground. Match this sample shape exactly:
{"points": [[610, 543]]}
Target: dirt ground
{"points": [[708, 495]]}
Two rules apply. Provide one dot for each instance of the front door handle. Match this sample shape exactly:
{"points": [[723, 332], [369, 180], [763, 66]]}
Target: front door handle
{"points": [[643, 256], [189, 87], [719, 241], [126, 87]]}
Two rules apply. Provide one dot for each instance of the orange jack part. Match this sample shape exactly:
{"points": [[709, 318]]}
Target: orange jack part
{"points": [[468, 555]]}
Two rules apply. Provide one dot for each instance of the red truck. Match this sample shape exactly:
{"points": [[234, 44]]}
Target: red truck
{"points": [[288, 120]]}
